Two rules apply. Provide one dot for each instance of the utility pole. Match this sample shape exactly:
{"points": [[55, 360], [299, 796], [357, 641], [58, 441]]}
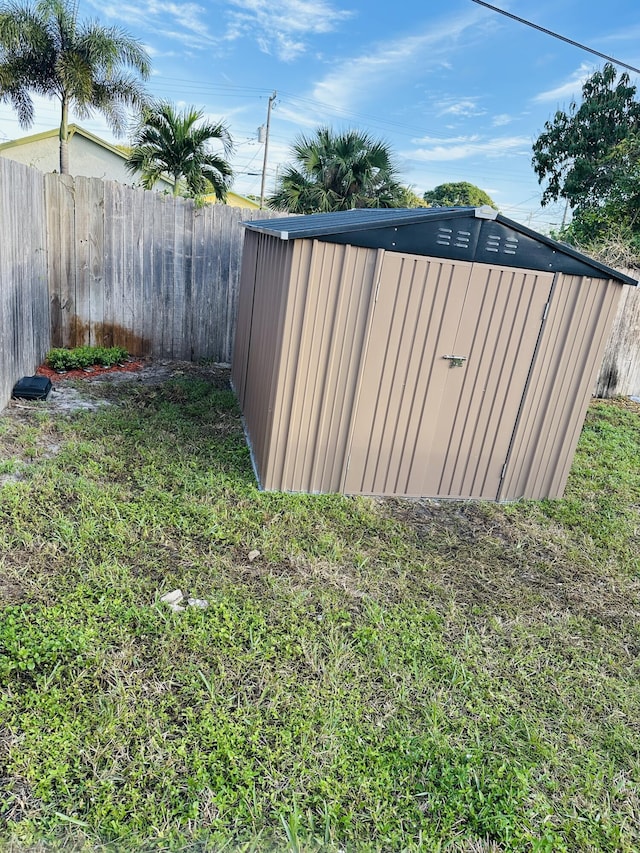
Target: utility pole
{"points": [[266, 149]]}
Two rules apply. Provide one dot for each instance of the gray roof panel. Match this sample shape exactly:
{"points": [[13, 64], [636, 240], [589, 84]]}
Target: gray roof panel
{"points": [[460, 233]]}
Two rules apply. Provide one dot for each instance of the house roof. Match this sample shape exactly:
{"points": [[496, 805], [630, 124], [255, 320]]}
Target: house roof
{"points": [[76, 130], [460, 233], [73, 129]]}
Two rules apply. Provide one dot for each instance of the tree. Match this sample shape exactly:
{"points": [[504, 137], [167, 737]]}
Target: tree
{"points": [[573, 153], [458, 194], [169, 142], [337, 171], [408, 198], [615, 221], [46, 50]]}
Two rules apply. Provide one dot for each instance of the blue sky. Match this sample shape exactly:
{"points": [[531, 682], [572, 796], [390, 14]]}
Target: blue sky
{"points": [[458, 91]]}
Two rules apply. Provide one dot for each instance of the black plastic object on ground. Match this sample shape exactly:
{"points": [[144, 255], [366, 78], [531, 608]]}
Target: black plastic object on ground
{"points": [[32, 388]]}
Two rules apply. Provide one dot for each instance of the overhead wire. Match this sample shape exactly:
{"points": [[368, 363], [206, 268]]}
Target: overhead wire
{"points": [[557, 36]]}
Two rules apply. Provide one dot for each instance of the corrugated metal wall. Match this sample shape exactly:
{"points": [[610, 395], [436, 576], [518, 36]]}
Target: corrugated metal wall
{"points": [[265, 276], [559, 389], [423, 425], [301, 324], [322, 348]]}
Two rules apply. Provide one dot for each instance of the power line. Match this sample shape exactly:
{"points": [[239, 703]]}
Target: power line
{"points": [[557, 36]]}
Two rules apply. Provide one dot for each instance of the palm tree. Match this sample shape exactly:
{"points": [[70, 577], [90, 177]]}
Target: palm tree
{"points": [[338, 172], [169, 142], [45, 50]]}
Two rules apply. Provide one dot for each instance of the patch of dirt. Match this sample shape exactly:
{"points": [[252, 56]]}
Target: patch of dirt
{"points": [[158, 371], [77, 390], [486, 558], [10, 591]]}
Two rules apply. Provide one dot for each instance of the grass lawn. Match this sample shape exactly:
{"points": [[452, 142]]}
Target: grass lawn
{"points": [[385, 675]]}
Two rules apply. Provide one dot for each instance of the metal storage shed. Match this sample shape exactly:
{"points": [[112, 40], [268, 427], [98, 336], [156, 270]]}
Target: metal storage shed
{"points": [[439, 352]]}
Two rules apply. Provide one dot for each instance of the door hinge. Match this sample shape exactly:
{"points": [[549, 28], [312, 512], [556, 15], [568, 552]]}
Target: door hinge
{"points": [[546, 311], [504, 471]]}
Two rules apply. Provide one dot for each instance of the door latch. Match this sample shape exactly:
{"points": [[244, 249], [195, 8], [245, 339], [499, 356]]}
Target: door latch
{"points": [[455, 360]]}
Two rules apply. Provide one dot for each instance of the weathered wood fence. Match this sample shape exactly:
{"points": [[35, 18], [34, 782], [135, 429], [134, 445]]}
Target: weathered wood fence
{"points": [[142, 270], [620, 370], [24, 296], [86, 261]]}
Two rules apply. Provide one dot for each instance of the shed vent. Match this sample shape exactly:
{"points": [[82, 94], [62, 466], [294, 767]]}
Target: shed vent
{"points": [[449, 237], [493, 243], [444, 236], [462, 239]]}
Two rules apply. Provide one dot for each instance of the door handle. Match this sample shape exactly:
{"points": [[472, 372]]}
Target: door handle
{"points": [[455, 360]]}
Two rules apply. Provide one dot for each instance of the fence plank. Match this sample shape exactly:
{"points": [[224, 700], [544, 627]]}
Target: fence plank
{"points": [[61, 239], [24, 295], [96, 219], [620, 369], [147, 238], [135, 270]]}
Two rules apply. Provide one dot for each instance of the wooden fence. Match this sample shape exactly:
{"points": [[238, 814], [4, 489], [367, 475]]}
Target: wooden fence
{"points": [[24, 297], [142, 270], [620, 370]]}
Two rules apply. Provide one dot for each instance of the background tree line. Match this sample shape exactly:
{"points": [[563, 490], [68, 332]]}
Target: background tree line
{"points": [[589, 156]]}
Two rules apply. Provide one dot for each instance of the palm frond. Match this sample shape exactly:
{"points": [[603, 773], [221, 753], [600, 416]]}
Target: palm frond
{"points": [[178, 143], [337, 172]]}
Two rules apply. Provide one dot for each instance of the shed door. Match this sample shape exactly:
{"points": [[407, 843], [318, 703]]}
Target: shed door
{"points": [[424, 424]]}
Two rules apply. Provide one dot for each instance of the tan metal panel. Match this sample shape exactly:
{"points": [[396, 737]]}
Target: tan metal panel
{"points": [[580, 314], [267, 308], [422, 426], [323, 336], [504, 313], [245, 312], [394, 427]]}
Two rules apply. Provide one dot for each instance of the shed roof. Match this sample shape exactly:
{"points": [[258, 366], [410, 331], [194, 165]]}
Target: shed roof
{"points": [[459, 233]]}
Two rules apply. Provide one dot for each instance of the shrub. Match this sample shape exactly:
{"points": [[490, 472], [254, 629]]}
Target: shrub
{"points": [[82, 357], [108, 356], [58, 359]]}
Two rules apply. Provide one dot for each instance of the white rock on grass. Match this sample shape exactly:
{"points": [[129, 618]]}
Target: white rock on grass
{"points": [[253, 555], [176, 602], [172, 598]]}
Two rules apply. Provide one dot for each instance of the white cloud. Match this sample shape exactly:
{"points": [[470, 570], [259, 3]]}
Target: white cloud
{"points": [[282, 26], [459, 107], [459, 148], [181, 22], [502, 120], [571, 88], [279, 27], [358, 79]]}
